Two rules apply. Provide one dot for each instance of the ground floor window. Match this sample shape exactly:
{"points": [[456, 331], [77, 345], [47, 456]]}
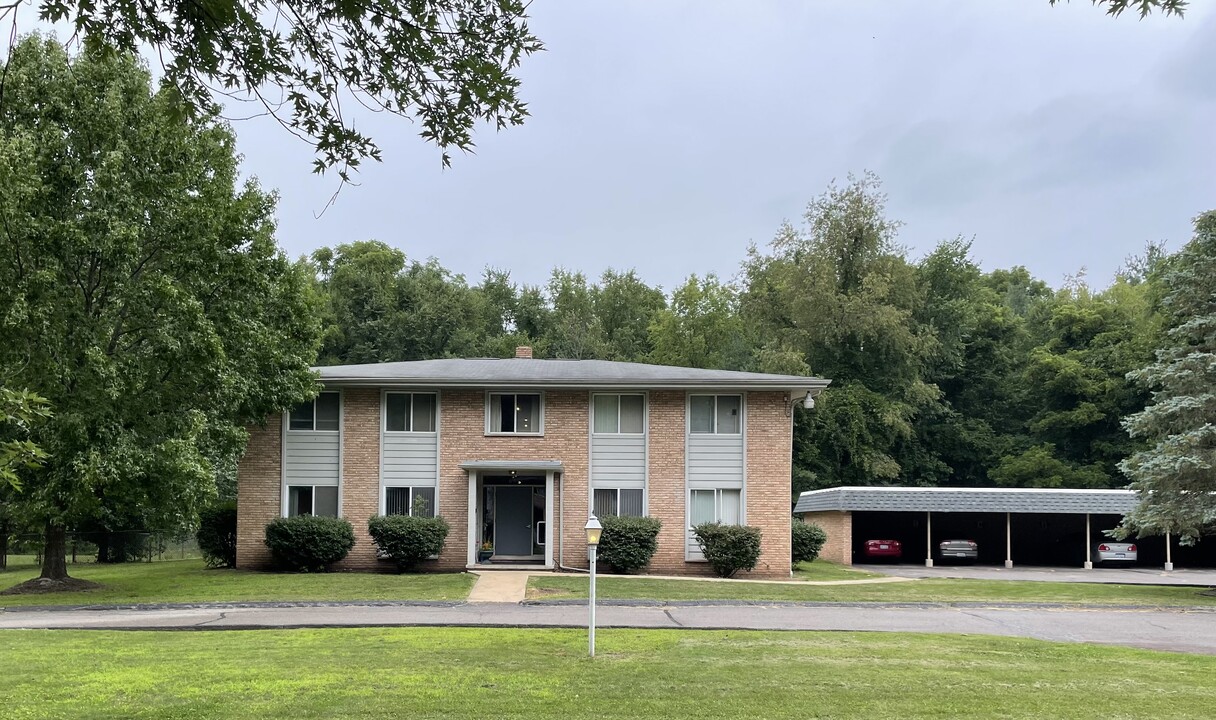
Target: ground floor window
{"points": [[416, 501], [720, 505], [319, 500], [626, 502]]}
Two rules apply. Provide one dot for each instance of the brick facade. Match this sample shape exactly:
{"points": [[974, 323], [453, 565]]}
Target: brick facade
{"points": [[462, 438], [838, 525]]}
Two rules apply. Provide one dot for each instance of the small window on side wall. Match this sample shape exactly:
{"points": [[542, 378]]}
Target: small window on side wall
{"points": [[320, 413], [715, 414]]}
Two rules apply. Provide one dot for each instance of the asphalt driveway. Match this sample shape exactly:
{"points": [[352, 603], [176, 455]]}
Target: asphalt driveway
{"points": [[1181, 630], [1123, 576]]}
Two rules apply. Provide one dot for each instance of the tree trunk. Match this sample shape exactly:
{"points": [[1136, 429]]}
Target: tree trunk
{"points": [[54, 565], [3, 545]]}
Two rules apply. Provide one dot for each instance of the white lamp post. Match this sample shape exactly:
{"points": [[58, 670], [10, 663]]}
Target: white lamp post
{"points": [[593, 529]]}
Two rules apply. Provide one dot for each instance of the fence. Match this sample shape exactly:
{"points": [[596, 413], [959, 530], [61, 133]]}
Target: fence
{"points": [[91, 547]]}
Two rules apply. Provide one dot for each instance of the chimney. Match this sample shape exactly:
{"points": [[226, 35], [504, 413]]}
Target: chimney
{"points": [[524, 352]]}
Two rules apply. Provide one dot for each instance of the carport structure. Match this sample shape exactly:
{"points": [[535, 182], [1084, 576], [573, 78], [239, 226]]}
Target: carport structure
{"points": [[1037, 526]]}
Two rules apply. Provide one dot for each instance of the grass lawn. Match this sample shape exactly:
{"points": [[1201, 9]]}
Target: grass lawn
{"points": [[934, 590], [822, 570], [493, 673], [191, 581]]}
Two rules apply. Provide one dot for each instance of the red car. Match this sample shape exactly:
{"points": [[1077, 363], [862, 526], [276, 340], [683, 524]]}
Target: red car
{"points": [[882, 550]]}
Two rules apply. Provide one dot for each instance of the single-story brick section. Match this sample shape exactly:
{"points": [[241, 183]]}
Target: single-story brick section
{"points": [[1026, 526], [516, 453]]}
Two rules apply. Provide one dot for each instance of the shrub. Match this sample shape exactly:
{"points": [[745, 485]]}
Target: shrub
{"points": [[729, 548], [309, 544], [628, 543], [408, 540], [217, 534], [807, 541]]}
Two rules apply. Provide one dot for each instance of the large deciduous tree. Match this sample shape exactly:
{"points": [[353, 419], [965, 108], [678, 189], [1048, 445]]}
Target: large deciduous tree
{"points": [[449, 64], [142, 291], [1176, 475]]}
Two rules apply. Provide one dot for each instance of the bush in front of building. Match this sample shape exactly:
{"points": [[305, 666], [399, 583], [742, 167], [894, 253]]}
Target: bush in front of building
{"points": [[628, 543], [408, 540], [729, 548], [216, 534], [807, 541], [306, 543]]}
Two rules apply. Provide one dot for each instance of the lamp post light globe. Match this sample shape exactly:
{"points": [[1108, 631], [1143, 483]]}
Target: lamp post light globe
{"points": [[594, 529]]}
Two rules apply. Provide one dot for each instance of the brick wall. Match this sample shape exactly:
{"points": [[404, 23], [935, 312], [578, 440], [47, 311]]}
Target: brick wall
{"points": [[839, 527], [360, 485], [769, 454], [258, 489], [462, 437]]}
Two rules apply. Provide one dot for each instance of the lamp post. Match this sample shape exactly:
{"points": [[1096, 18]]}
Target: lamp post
{"points": [[593, 529]]}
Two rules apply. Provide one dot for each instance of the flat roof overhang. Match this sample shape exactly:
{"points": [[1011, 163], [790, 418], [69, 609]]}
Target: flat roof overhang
{"points": [[969, 500], [516, 465]]}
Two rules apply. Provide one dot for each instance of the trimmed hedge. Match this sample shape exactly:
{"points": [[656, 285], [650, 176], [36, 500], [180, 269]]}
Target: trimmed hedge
{"points": [[408, 540], [628, 543], [807, 541], [729, 548], [307, 543], [217, 534]]}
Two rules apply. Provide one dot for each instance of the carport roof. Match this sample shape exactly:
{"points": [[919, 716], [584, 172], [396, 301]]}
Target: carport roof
{"points": [[991, 500]]}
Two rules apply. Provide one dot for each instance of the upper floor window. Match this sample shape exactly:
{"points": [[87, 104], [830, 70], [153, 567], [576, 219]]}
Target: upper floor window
{"points": [[623, 414], [320, 413], [515, 413], [715, 414], [409, 412]]}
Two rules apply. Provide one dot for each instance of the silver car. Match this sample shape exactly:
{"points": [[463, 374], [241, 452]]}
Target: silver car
{"points": [[967, 550], [1115, 552]]}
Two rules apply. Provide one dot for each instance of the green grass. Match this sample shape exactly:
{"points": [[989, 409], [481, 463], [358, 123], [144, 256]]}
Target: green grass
{"points": [[494, 673], [822, 570], [173, 581], [934, 590]]}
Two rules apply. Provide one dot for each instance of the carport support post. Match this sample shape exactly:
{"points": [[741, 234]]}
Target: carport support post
{"points": [[1169, 560], [1008, 543], [928, 539], [1089, 565]]}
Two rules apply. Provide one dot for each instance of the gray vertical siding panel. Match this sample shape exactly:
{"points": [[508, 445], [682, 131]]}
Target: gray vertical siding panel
{"points": [[410, 458], [311, 458], [618, 460]]}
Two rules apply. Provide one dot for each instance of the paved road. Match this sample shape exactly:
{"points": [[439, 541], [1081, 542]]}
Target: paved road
{"points": [[1178, 630], [1127, 576]]}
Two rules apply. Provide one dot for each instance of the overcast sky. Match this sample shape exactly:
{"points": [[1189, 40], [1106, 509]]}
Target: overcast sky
{"points": [[667, 136]]}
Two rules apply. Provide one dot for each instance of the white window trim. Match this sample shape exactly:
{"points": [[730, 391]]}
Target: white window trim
{"points": [[383, 504], [715, 396], [384, 412], [313, 429], [591, 435], [313, 487], [688, 487], [617, 489], [285, 426], [540, 431], [645, 413]]}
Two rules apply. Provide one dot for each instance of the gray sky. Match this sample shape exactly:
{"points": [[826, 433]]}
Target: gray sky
{"points": [[666, 136]]}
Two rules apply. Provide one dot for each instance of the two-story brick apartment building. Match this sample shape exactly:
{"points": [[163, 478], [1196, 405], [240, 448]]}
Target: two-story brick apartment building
{"points": [[515, 453]]}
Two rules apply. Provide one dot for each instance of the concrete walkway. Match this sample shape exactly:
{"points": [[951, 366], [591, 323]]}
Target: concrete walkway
{"points": [[500, 586], [1182, 630]]}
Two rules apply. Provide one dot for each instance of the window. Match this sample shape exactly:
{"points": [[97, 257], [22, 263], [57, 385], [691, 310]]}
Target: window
{"points": [[319, 500], [317, 414], [715, 505], [715, 414], [624, 414], [613, 501], [515, 414], [409, 412], [416, 501]]}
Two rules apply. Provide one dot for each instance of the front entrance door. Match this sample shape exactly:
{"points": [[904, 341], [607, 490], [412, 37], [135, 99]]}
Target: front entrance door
{"points": [[513, 520]]}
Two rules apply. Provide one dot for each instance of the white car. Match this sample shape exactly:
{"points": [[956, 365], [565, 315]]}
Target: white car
{"points": [[1115, 552]]}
